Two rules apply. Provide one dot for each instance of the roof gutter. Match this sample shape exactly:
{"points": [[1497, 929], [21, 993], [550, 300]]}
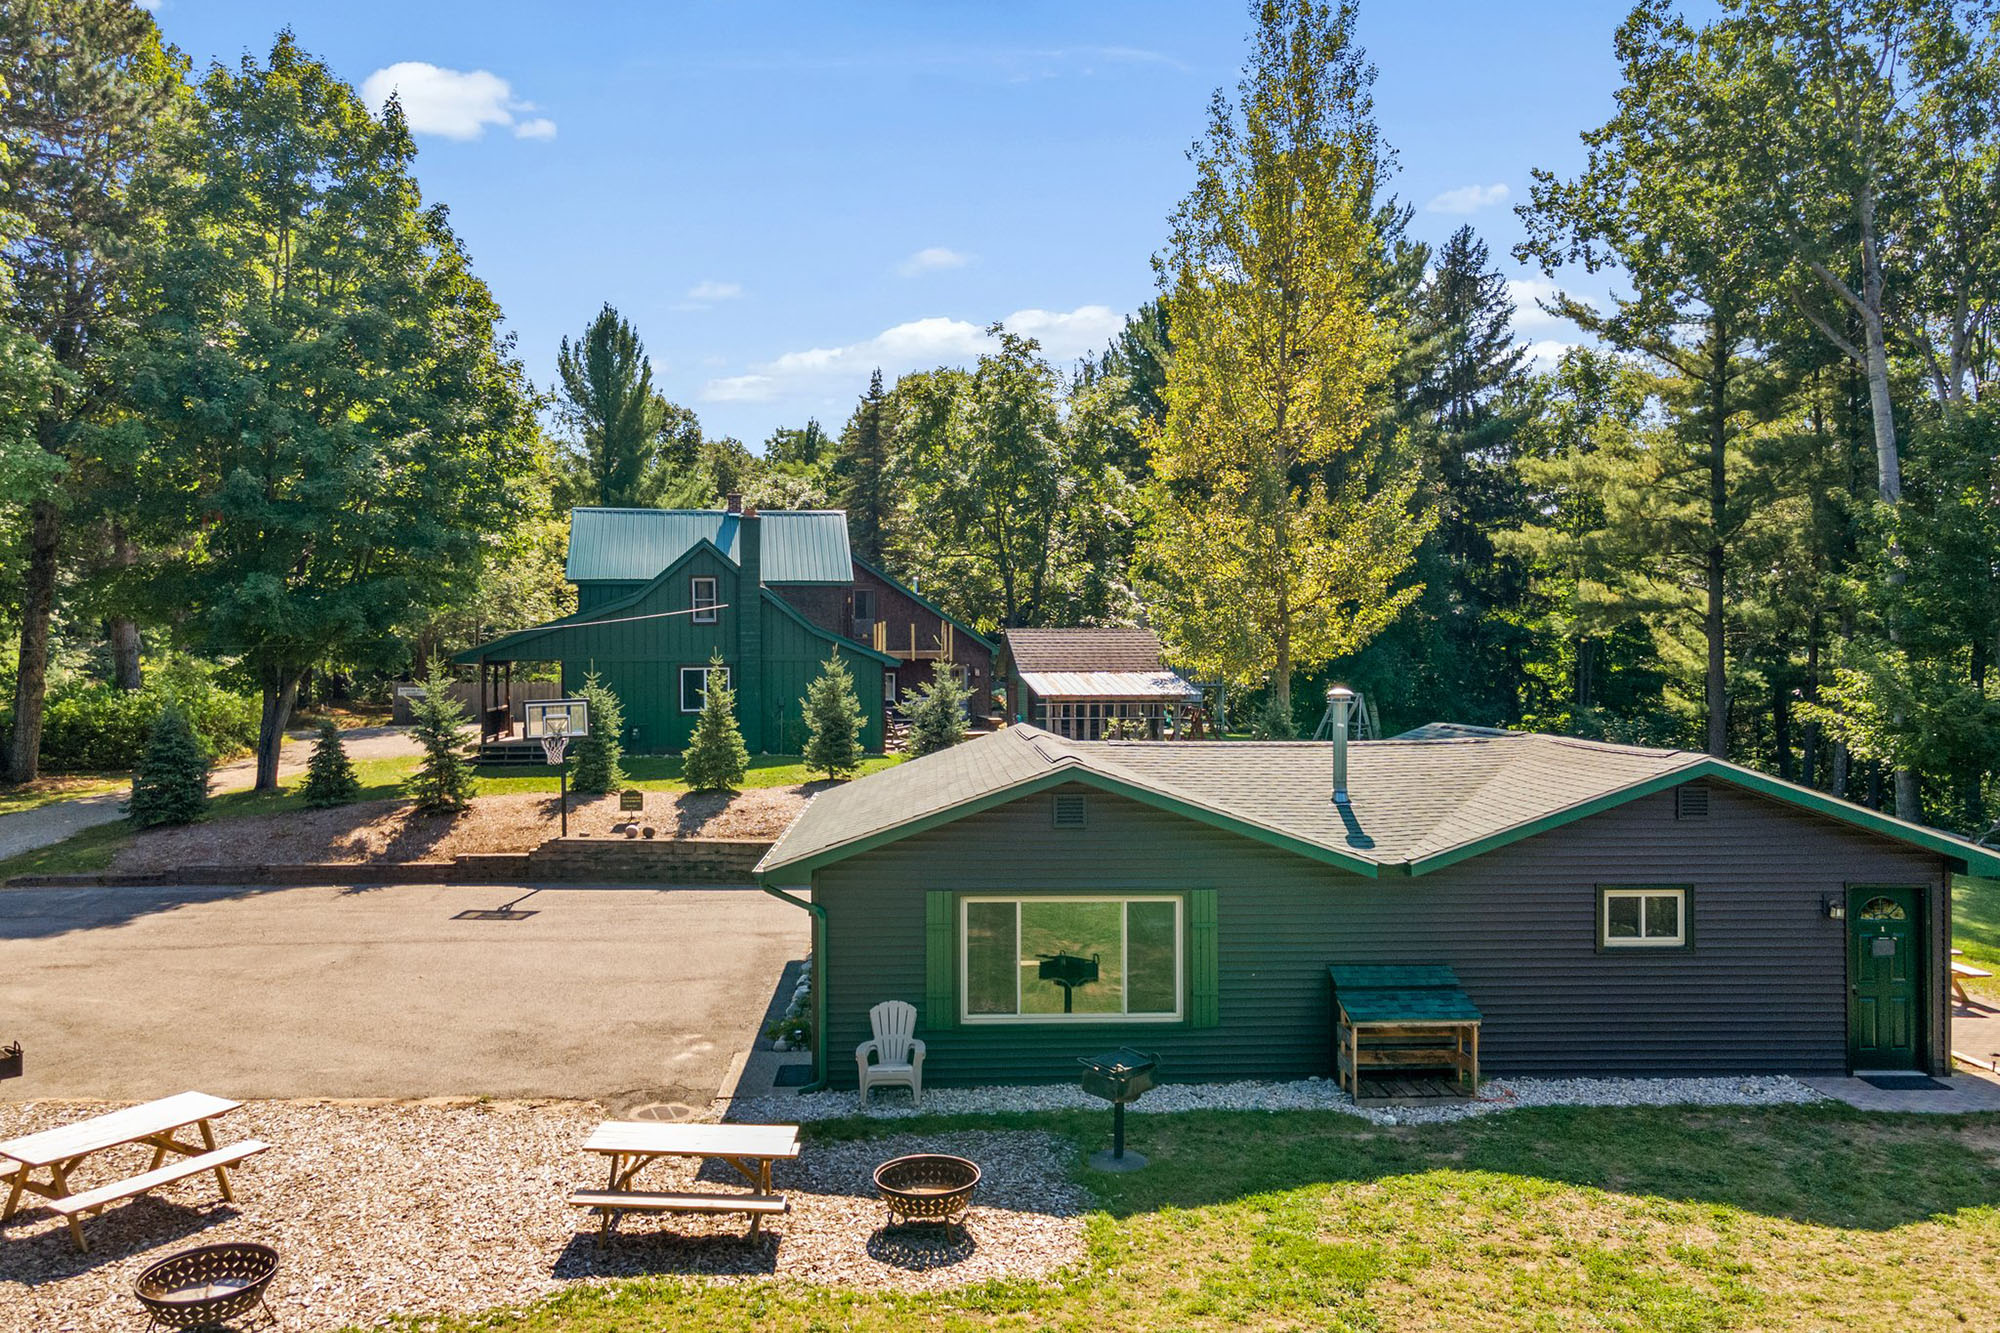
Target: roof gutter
{"points": [[821, 1068]]}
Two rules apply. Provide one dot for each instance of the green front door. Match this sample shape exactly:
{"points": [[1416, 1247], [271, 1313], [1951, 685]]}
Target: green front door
{"points": [[1884, 976]]}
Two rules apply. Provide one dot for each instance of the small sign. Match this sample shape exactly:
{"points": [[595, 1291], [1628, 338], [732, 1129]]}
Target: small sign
{"points": [[632, 799], [1883, 947]]}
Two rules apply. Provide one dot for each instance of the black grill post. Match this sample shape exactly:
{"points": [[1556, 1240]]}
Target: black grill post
{"points": [[1119, 1077]]}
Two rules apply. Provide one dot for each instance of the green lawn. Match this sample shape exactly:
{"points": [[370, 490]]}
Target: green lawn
{"points": [[651, 772], [59, 787], [1646, 1221]]}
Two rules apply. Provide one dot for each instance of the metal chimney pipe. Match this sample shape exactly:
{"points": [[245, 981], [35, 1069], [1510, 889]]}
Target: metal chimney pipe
{"points": [[1340, 700]]}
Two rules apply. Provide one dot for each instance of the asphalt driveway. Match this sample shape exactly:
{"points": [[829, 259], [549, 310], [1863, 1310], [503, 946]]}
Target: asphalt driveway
{"points": [[632, 995]]}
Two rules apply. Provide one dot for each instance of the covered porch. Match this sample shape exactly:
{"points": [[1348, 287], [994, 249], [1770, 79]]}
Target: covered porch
{"points": [[1111, 705]]}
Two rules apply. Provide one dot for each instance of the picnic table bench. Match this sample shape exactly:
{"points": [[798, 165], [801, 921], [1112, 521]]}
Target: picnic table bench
{"points": [[632, 1145], [1960, 974], [62, 1150]]}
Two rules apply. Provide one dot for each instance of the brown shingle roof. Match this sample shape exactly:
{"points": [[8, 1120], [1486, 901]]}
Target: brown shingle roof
{"points": [[1085, 650], [1415, 803]]}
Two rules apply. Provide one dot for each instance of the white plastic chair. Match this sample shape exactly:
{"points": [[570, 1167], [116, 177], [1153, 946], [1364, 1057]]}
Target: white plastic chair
{"points": [[899, 1056]]}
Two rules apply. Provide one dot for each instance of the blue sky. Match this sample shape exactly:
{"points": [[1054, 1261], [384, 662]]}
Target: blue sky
{"points": [[783, 195]]}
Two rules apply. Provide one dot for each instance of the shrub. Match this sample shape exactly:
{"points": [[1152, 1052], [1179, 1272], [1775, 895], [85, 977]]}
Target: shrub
{"points": [[330, 778], [598, 750], [716, 759], [1273, 723], [170, 785], [442, 784], [833, 721], [936, 710], [91, 726]]}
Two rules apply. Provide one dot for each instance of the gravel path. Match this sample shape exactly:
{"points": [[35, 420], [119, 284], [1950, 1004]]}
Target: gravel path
{"points": [[427, 1207], [1317, 1094], [51, 823]]}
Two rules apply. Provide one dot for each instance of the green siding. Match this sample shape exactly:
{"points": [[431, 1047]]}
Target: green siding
{"points": [[794, 654], [1204, 976], [940, 960], [590, 596]]}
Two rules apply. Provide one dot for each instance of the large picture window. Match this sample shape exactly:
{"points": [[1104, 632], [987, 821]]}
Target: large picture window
{"points": [[1650, 918], [694, 687], [1070, 959]]}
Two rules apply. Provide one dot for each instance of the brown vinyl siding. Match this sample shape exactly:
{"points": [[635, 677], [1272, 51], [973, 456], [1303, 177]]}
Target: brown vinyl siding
{"points": [[1762, 990]]}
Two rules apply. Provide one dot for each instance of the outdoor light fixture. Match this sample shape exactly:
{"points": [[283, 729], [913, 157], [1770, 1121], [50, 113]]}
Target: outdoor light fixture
{"points": [[1833, 908]]}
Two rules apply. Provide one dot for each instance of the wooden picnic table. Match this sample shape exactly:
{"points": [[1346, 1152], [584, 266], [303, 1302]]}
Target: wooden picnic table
{"points": [[1960, 972], [61, 1151], [632, 1145]]}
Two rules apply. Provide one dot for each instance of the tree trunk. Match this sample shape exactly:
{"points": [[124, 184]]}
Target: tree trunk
{"points": [[123, 633], [1717, 675], [281, 692], [38, 599], [1781, 730]]}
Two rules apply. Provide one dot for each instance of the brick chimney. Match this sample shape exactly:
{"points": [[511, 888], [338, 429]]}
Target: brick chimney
{"points": [[733, 503]]}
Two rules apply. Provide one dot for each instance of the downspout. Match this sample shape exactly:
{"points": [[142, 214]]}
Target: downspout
{"points": [[820, 1067]]}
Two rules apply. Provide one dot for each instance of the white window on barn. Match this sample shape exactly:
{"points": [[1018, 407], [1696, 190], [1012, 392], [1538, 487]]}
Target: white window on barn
{"points": [[888, 687], [1646, 918], [864, 614], [694, 686], [702, 597], [1064, 959]]}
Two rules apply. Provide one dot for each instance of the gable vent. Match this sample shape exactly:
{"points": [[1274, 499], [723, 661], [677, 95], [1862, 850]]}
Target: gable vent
{"points": [[1691, 801], [1070, 810]]}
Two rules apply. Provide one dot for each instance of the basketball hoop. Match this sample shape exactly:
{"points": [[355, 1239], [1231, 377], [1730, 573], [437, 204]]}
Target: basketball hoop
{"points": [[555, 738]]}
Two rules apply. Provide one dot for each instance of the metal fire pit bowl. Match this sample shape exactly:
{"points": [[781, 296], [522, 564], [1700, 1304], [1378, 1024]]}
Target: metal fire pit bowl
{"points": [[200, 1287], [927, 1187]]}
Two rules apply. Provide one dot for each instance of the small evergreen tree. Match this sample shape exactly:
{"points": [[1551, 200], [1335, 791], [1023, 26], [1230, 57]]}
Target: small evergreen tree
{"points": [[442, 784], [936, 710], [597, 771], [716, 758], [833, 721], [330, 778], [1274, 721], [170, 786]]}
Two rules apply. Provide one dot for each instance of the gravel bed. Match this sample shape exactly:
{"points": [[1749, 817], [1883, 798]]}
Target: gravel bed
{"points": [[414, 1208], [1317, 1094]]}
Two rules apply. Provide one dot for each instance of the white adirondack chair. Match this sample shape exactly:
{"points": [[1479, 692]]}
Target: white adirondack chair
{"points": [[899, 1056]]}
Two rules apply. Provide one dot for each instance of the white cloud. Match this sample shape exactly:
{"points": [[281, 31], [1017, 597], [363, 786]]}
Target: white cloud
{"points": [[935, 259], [150, 6], [1529, 317], [915, 345], [455, 104], [715, 291], [1468, 199], [1544, 355]]}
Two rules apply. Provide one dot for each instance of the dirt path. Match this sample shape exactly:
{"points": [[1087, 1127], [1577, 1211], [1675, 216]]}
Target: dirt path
{"points": [[49, 824]]}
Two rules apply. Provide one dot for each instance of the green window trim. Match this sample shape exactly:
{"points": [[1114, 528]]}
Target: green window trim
{"points": [[1681, 942], [1204, 966], [940, 960]]}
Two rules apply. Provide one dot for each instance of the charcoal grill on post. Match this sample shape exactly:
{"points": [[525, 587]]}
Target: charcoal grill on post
{"points": [[1069, 971], [1119, 1077]]}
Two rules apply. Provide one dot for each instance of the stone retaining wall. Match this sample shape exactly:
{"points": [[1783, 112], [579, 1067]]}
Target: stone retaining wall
{"points": [[557, 861]]}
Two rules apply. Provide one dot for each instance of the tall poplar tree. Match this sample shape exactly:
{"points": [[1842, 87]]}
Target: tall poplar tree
{"points": [[335, 416], [1280, 528], [89, 87], [610, 407]]}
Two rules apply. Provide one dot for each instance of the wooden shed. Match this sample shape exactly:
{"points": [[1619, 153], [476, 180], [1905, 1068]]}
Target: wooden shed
{"points": [[1089, 683]]}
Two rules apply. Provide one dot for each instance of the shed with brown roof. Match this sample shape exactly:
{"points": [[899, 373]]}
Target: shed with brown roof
{"points": [[1089, 684], [1609, 909]]}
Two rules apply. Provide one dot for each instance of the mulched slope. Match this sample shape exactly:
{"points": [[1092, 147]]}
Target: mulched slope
{"points": [[393, 831], [424, 1207]]}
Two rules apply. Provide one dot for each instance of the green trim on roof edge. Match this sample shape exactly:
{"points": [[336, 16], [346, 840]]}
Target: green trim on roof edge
{"points": [[782, 872], [1962, 853], [927, 604]]}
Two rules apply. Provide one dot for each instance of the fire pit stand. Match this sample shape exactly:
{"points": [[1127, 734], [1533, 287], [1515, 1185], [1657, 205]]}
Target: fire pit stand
{"points": [[1119, 1077]]}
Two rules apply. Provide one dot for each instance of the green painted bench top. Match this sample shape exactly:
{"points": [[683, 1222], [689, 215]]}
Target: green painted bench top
{"points": [[1431, 1005], [1392, 976]]}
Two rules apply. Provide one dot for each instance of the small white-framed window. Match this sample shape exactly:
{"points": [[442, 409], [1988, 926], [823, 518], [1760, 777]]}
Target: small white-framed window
{"points": [[1059, 959], [702, 597], [888, 687], [694, 686], [1642, 918]]}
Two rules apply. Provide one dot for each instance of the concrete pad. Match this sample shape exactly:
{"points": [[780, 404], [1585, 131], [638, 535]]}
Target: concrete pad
{"points": [[1965, 1091], [640, 996]]}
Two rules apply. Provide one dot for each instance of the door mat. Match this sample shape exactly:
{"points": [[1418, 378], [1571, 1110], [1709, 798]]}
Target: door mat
{"points": [[1905, 1083], [793, 1076]]}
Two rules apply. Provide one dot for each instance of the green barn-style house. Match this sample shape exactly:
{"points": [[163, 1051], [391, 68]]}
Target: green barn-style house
{"points": [[1604, 909], [659, 591]]}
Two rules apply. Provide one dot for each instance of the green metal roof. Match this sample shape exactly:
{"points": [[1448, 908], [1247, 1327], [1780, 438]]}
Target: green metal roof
{"points": [[1416, 806], [635, 545]]}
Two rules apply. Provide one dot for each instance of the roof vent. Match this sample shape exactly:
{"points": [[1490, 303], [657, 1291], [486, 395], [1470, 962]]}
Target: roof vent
{"points": [[1070, 810], [1691, 801], [1339, 700]]}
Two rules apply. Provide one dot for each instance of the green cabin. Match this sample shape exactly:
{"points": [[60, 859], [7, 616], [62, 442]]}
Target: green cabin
{"points": [[658, 592]]}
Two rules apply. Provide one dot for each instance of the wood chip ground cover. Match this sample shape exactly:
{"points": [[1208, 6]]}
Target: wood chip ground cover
{"points": [[399, 1208]]}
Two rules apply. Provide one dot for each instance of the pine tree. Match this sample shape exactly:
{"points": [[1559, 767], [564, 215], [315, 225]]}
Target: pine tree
{"points": [[170, 785], [936, 710], [833, 722], [716, 758], [330, 778], [599, 749], [860, 471], [442, 784]]}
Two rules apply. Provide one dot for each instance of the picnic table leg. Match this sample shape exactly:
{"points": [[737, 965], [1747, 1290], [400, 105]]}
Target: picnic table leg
{"points": [[14, 1195], [221, 1172]]}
